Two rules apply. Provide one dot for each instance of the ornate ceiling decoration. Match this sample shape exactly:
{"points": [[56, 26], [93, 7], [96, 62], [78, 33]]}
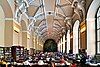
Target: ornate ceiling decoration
{"points": [[51, 18]]}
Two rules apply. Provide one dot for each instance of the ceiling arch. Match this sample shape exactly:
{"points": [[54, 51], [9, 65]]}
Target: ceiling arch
{"points": [[53, 17], [7, 9]]}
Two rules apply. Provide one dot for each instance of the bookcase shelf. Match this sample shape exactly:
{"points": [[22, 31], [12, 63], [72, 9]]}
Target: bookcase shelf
{"points": [[7, 53], [18, 53], [1, 52]]}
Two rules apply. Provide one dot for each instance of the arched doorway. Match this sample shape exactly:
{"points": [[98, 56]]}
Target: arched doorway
{"points": [[50, 46]]}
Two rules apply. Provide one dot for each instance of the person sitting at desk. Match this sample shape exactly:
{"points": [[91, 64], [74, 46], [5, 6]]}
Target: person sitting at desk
{"points": [[40, 62], [70, 54], [3, 61], [83, 58], [47, 59], [74, 64], [62, 60], [26, 62], [0, 61]]}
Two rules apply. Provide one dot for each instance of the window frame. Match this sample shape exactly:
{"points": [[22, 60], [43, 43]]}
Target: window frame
{"points": [[97, 29]]}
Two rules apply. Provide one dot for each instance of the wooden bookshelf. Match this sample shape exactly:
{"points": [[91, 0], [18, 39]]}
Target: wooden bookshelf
{"points": [[7, 54], [18, 53], [1, 52]]}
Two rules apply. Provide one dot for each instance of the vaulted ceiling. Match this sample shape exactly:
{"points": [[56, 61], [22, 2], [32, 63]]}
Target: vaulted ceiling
{"points": [[51, 18]]}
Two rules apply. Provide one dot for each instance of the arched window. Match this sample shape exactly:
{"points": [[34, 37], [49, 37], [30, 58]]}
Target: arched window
{"points": [[79, 32], [75, 37], [68, 41], [98, 31]]}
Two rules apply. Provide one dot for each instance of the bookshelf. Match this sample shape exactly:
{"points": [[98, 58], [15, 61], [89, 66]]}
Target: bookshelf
{"points": [[7, 53], [1, 52], [18, 53]]}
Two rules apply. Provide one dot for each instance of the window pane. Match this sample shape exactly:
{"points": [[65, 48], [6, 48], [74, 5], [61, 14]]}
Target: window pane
{"points": [[98, 22], [98, 31], [98, 35], [98, 47], [98, 14]]}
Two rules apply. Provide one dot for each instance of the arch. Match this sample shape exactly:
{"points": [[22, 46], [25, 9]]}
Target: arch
{"points": [[91, 27], [50, 46], [75, 36], [2, 26], [7, 9], [41, 14], [2, 14]]}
